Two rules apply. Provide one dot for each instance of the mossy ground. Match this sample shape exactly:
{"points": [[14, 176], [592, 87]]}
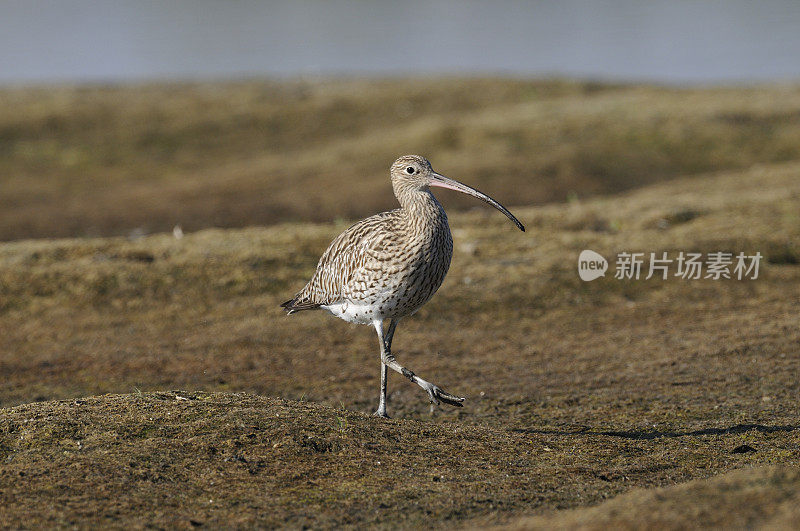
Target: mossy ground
{"points": [[577, 392], [181, 460]]}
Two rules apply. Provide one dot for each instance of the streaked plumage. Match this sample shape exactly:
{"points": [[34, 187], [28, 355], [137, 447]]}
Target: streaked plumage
{"points": [[388, 265]]}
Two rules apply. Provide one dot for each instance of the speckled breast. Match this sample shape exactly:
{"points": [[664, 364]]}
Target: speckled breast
{"points": [[400, 278], [425, 272]]}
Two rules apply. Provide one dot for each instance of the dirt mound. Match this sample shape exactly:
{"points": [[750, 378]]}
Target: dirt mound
{"points": [[745, 499], [178, 459], [184, 459]]}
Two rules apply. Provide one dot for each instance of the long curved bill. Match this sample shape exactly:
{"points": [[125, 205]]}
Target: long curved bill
{"points": [[443, 182]]}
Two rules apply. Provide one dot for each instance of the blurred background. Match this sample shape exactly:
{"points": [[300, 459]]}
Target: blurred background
{"points": [[707, 41], [126, 118]]}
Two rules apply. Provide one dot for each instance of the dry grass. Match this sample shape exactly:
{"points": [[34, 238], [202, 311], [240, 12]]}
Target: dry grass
{"points": [[577, 392], [109, 160]]}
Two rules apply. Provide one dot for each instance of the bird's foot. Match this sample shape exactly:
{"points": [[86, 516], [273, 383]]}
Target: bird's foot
{"points": [[381, 413], [437, 394]]}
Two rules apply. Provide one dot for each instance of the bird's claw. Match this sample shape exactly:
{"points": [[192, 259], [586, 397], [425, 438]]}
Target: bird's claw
{"points": [[435, 393]]}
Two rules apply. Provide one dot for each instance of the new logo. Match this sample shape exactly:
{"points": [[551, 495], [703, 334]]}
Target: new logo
{"points": [[591, 265]]}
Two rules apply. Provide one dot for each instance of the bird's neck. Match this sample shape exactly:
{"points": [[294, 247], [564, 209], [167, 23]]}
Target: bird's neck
{"points": [[420, 206]]}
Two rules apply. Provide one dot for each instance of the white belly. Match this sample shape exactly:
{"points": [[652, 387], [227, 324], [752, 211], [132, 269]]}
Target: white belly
{"points": [[355, 313]]}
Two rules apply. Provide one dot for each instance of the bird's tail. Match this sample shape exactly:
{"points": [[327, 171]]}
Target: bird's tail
{"points": [[297, 305]]}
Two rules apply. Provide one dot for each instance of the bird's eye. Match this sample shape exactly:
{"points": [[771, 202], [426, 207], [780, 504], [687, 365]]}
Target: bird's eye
{"points": [[410, 170]]}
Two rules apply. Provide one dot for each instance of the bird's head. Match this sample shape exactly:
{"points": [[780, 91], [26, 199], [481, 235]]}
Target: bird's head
{"points": [[414, 173]]}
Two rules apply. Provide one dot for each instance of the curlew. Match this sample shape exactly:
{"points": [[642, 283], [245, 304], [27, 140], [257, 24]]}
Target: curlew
{"points": [[387, 266]]}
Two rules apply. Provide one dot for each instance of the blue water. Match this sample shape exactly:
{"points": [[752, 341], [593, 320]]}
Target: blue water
{"points": [[676, 41]]}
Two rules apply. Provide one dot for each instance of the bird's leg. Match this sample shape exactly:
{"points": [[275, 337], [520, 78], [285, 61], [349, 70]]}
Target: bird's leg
{"points": [[390, 335], [435, 393], [381, 412], [386, 347]]}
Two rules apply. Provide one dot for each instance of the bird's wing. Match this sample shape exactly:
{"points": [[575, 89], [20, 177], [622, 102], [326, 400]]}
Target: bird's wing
{"points": [[344, 263]]}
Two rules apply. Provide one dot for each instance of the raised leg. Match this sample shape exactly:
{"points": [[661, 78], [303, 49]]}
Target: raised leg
{"points": [[435, 393]]}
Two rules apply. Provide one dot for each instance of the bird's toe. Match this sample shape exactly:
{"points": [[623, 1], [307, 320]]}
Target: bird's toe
{"points": [[433, 398], [437, 395]]}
